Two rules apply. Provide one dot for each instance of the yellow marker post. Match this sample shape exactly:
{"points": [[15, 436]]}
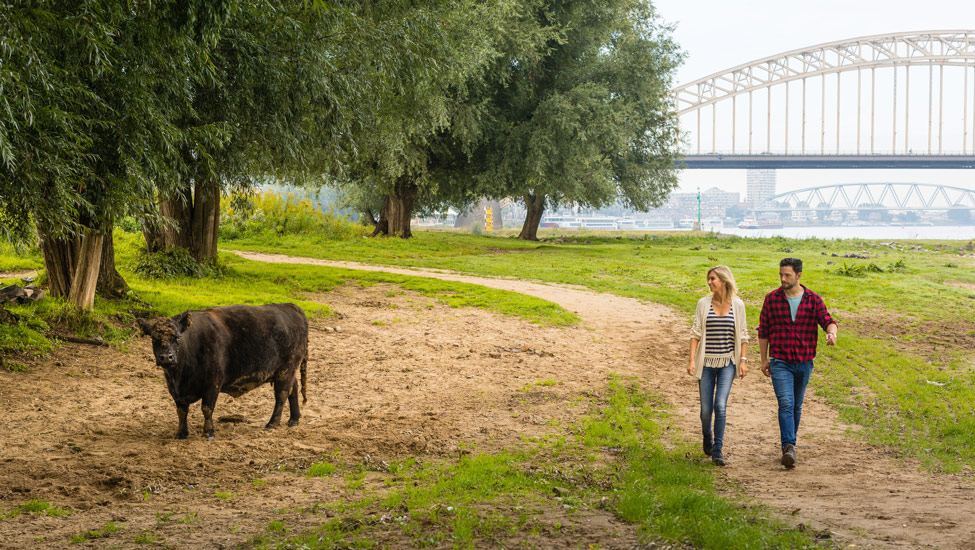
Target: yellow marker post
{"points": [[488, 218]]}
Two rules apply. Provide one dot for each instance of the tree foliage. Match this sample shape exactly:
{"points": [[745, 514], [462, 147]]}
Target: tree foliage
{"points": [[589, 121], [92, 93], [427, 107]]}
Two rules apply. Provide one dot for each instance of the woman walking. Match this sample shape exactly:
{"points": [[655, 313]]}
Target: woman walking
{"points": [[719, 342]]}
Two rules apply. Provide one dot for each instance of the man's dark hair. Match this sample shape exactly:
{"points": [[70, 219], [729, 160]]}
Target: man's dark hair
{"points": [[794, 263]]}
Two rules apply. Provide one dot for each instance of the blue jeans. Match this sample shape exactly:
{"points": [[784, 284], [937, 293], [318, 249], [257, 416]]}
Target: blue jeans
{"points": [[789, 381], [715, 386]]}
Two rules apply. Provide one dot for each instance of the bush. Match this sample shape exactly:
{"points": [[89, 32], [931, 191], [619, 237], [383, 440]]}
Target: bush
{"points": [[172, 263], [270, 214]]}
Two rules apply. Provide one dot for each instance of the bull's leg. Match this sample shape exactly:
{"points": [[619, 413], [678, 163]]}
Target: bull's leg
{"points": [[293, 402], [181, 411], [209, 403], [282, 389]]}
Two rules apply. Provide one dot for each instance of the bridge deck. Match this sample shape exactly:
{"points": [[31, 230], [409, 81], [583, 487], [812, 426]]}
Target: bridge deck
{"points": [[763, 161]]}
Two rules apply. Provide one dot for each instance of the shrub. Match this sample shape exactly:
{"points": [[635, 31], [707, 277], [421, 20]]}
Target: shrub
{"points": [[270, 214], [172, 263], [852, 270]]}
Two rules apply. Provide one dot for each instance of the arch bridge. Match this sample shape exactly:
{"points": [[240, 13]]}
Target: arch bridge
{"points": [[883, 101], [872, 196]]}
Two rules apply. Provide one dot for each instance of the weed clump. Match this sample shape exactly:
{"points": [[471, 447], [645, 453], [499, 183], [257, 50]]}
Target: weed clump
{"points": [[173, 263], [269, 214]]}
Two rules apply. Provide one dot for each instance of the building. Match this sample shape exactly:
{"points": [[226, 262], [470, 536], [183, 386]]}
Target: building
{"points": [[715, 198], [760, 186], [714, 204]]}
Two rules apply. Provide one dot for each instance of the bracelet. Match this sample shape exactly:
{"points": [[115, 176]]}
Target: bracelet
{"points": [[744, 359]]}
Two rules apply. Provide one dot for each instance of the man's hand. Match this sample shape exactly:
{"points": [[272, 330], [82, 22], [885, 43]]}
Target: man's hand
{"points": [[766, 368], [691, 367], [830, 338]]}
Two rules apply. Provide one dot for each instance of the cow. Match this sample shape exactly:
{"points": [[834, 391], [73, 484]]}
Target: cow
{"points": [[231, 349]]}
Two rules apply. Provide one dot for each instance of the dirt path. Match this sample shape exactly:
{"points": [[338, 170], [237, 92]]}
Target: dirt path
{"points": [[841, 484]]}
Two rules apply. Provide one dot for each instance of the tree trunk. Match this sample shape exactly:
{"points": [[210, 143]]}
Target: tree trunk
{"points": [[73, 265], [534, 207], [59, 262], [110, 283], [196, 223], [397, 211], [85, 277]]}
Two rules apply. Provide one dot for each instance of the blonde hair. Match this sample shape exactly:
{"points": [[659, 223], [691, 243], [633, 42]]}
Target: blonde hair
{"points": [[724, 273]]}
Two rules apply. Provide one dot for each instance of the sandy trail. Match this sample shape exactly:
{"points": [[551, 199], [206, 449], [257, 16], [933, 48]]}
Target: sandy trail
{"points": [[859, 492]]}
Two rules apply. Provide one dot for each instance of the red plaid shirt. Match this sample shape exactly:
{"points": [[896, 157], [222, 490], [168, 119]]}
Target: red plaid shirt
{"points": [[792, 341]]}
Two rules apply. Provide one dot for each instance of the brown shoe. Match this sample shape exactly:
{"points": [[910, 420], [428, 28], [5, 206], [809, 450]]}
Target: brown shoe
{"points": [[789, 456]]}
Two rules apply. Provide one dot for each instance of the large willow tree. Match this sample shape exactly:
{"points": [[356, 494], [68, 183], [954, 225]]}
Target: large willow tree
{"points": [[589, 120], [91, 95], [286, 89]]}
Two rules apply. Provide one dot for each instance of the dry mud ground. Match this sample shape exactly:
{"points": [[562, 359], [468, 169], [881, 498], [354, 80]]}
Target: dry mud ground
{"points": [[92, 428]]}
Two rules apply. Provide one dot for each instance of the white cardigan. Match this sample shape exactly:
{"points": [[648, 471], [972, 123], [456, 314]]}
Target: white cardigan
{"points": [[697, 331]]}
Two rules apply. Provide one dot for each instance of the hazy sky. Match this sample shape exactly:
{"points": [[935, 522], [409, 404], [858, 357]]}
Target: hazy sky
{"points": [[721, 35]]}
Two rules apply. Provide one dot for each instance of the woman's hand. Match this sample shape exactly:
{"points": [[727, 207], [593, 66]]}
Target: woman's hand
{"points": [[691, 367], [744, 369]]}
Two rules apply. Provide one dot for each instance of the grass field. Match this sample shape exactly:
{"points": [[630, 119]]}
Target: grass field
{"points": [[900, 370], [905, 312]]}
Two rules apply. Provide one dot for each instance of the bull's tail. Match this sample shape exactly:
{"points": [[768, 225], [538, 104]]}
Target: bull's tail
{"points": [[304, 378]]}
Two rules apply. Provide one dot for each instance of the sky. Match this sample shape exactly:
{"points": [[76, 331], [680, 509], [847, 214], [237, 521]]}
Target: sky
{"points": [[718, 35]]}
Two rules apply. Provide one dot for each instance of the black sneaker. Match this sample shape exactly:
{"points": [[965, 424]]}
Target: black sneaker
{"points": [[717, 458], [707, 445], [789, 456]]}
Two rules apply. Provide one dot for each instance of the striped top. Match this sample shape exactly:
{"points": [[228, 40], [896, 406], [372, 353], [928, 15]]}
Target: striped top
{"points": [[720, 340]]}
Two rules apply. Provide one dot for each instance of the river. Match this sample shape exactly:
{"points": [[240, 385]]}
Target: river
{"points": [[883, 232]]}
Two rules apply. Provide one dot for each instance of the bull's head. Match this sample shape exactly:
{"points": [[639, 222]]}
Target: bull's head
{"points": [[166, 333]]}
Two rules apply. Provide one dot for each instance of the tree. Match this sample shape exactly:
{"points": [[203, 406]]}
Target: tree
{"points": [[823, 212], [588, 119], [736, 212], [962, 216], [284, 91], [91, 90], [428, 119]]}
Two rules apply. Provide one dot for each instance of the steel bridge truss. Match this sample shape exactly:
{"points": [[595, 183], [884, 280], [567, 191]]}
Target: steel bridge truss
{"points": [[928, 49], [872, 196]]}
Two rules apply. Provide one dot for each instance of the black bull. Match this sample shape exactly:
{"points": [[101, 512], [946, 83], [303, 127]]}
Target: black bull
{"points": [[233, 350]]}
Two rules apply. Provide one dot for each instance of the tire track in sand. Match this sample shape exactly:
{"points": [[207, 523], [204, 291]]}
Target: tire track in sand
{"points": [[859, 492]]}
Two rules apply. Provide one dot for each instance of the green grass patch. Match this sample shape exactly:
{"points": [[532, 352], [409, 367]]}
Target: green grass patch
{"points": [[16, 260], [320, 469], [39, 507], [925, 410], [668, 495], [617, 459], [103, 532], [146, 537]]}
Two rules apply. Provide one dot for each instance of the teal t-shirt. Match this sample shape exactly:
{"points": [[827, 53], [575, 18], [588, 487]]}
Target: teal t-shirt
{"points": [[794, 305]]}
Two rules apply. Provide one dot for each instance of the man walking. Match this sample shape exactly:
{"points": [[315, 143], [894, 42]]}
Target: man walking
{"points": [[787, 337]]}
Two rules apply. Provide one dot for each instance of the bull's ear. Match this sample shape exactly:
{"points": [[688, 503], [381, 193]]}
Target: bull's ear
{"points": [[146, 326], [182, 321]]}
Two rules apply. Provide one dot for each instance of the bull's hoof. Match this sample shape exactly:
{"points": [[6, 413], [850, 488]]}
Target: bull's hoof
{"points": [[270, 426], [292, 423], [210, 437], [182, 435]]}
